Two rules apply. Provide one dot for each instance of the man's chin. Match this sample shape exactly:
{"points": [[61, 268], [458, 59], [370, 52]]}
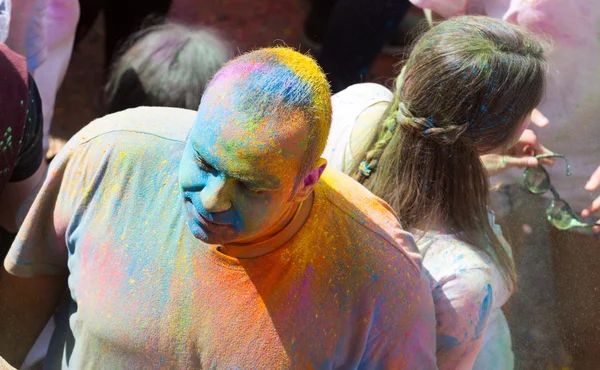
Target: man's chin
{"points": [[206, 236]]}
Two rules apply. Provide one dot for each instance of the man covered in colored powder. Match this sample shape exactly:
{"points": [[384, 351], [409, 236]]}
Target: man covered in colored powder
{"points": [[217, 239]]}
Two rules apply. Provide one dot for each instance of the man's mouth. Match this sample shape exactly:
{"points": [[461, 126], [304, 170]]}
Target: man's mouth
{"points": [[202, 219]]}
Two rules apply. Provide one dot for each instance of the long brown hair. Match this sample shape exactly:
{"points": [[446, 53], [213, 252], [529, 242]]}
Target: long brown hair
{"points": [[465, 90]]}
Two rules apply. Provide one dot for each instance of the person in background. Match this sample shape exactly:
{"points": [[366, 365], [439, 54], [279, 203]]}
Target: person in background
{"points": [[24, 29], [121, 20], [467, 90], [43, 31], [352, 33], [557, 326], [39, 30], [216, 238], [5, 6], [21, 164], [61, 17], [166, 65]]}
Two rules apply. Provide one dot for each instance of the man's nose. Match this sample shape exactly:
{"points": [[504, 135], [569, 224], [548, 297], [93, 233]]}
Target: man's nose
{"points": [[214, 196]]}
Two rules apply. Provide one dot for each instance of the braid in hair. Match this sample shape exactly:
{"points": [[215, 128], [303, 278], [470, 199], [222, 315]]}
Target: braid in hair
{"points": [[369, 164], [399, 116], [447, 135], [388, 129]]}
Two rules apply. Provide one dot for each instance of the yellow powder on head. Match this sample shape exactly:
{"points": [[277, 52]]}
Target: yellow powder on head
{"points": [[309, 73], [307, 69]]}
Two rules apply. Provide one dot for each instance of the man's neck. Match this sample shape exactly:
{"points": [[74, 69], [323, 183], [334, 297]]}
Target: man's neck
{"points": [[275, 236]]}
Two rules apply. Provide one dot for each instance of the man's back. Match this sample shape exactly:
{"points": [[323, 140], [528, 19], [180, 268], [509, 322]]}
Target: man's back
{"points": [[346, 291]]}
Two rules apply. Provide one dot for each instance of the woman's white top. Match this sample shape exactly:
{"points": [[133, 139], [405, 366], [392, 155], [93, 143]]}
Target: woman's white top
{"points": [[467, 287]]}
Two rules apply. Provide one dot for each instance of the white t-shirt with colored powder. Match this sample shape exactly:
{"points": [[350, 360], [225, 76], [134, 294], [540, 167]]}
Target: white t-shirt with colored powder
{"points": [[468, 289], [346, 292], [572, 102]]}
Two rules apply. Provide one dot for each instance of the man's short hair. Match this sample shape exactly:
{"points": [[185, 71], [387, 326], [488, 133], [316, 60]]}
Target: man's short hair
{"points": [[281, 82]]}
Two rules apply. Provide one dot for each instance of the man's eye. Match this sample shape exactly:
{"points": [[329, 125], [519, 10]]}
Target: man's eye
{"points": [[253, 191], [203, 165]]}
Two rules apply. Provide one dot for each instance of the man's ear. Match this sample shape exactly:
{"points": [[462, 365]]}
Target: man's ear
{"points": [[310, 180]]}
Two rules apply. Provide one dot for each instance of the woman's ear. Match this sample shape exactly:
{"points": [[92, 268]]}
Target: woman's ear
{"points": [[309, 181]]}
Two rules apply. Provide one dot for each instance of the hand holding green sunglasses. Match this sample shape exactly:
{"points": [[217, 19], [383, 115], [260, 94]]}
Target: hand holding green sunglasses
{"points": [[560, 214]]}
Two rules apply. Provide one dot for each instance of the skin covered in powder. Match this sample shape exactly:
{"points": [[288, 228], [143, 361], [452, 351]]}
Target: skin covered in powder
{"points": [[241, 168], [240, 187]]}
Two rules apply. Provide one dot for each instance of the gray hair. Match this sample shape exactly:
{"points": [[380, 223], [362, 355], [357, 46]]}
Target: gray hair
{"points": [[166, 65]]}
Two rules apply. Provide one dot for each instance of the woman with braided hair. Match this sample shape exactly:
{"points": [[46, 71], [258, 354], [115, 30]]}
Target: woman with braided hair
{"points": [[468, 90]]}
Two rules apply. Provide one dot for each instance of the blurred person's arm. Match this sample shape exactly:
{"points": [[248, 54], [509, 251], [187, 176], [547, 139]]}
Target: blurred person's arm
{"points": [[13, 197], [27, 32], [30, 166], [521, 155], [26, 305], [35, 270], [593, 184]]}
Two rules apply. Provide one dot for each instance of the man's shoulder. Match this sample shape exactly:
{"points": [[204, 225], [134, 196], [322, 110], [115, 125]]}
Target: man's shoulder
{"points": [[370, 223], [168, 123], [139, 141]]}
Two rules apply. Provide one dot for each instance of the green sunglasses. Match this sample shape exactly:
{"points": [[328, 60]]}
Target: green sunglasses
{"points": [[560, 214]]}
